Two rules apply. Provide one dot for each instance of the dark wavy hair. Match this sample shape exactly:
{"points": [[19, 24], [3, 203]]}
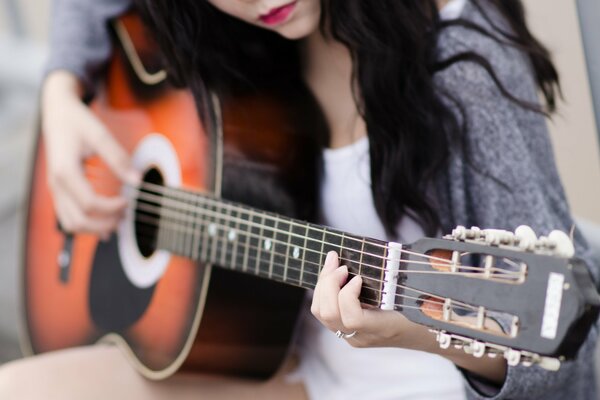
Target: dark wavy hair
{"points": [[393, 47]]}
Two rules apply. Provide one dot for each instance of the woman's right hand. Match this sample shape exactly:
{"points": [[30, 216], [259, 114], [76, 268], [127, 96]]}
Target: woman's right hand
{"points": [[71, 134]]}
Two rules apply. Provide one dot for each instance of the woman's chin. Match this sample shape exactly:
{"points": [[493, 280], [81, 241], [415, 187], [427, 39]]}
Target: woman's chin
{"points": [[299, 29]]}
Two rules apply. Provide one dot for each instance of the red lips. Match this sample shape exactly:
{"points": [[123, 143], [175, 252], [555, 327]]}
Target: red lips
{"points": [[278, 15]]}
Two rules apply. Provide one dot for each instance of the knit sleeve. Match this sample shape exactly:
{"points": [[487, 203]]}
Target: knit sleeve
{"points": [[503, 175], [79, 36]]}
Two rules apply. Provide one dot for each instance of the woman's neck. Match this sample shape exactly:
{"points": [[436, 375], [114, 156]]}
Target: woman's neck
{"points": [[328, 73]]}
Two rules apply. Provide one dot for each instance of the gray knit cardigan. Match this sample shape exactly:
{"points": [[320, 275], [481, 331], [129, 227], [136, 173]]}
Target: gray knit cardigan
{"points": [[502, 177]]}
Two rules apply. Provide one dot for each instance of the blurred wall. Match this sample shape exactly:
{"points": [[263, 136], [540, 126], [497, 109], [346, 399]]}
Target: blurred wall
{"points": [[33, 18], [573, 130]]}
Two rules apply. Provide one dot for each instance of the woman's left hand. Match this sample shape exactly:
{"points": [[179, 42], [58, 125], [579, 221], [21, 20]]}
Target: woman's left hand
{"points": [[336, 305]]}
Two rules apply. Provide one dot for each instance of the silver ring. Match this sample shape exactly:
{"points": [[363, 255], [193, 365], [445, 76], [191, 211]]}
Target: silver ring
{"points": [[343, 335]]}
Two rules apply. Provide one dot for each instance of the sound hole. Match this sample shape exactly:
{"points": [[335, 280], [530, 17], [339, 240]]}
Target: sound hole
{"points": [[147, 213]]}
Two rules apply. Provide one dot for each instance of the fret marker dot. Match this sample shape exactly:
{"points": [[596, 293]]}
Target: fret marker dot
{"points": [[212, 229], [231, 235], [268, 244], [296, 252]]}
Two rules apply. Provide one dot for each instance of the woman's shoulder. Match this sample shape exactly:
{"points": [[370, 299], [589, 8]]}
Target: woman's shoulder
{"points": [[488, 43]]}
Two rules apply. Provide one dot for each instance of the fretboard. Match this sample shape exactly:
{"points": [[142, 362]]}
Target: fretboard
{"points": [[249, 240]]}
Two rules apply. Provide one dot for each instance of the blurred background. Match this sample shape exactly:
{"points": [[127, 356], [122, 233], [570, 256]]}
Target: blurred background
{"points": [[24, 28]]}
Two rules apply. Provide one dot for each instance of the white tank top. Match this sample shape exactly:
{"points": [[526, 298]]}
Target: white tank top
{"points": [[329, 367]]}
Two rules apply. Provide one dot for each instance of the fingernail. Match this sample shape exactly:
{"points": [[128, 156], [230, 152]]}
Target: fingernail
{"points": [[330, 256]]}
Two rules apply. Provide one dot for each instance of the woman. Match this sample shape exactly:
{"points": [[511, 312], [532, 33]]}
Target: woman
{"points": [[433, 121]]}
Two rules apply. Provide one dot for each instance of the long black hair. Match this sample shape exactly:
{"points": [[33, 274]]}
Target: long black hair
{"points": [[394, 49]]}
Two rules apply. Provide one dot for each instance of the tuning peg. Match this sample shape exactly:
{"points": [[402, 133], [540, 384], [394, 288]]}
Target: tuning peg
{"points": [[513, 357], [444, 339], [526, 237], [563, 246], [475, 233], [498, 236], [476, 348], [549, 364], [459, 233]]}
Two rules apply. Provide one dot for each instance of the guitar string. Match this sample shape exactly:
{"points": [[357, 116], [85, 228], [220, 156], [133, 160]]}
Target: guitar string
{"points": [[273, 229], [466, 306], [195, 196], [223, 241], [179, 218], [290, 280]]}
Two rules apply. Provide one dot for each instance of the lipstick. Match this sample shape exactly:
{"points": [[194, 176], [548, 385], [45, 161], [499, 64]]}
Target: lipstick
{"points": [[278, 15]]}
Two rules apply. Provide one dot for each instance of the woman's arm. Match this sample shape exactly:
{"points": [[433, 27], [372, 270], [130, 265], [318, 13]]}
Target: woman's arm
{"points": [[79, 46], [79, 37], [503, 176]]}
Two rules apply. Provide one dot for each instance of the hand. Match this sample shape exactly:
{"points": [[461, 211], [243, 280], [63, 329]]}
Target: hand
{"points": [[72, 133], [336, 305]]}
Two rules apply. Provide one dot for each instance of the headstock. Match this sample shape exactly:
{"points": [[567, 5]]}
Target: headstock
{"points": [[463, 285]]}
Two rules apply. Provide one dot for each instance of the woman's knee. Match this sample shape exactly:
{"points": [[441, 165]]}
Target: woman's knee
{"points": [[14, 380]]}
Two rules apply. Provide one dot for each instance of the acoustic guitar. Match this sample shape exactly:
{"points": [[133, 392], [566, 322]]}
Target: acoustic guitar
{"points": [[208, 268]]}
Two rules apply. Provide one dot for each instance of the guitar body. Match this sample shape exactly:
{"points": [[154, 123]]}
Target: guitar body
{"points": [[166, 311]]}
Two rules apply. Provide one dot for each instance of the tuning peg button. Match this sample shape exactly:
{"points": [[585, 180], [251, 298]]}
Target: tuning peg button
{"points": [[563, 246], [513, 357], [526, 237]]}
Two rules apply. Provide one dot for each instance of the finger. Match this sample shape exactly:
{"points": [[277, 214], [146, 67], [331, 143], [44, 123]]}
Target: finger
{"points": [[331, 263], [75, 221], [328, 297], [115, 156], [351, 312], [86, 200]]}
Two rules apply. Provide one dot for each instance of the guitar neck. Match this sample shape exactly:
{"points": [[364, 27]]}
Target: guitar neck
{"points": [[244, 239]]}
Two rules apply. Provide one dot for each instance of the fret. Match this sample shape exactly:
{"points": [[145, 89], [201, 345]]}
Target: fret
{"points": [[241, 228], [267, 245], [259, 244], [177, 213], [280, 248], [296, 253], [200, 203], [213, 231], [373, 257], [188, 223], [225, 222], [196, 229], [313, 255], [219, 230], [160, 233], [360, 261], [287, 251], [167, 229], [232, 237], [247, 246]]}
